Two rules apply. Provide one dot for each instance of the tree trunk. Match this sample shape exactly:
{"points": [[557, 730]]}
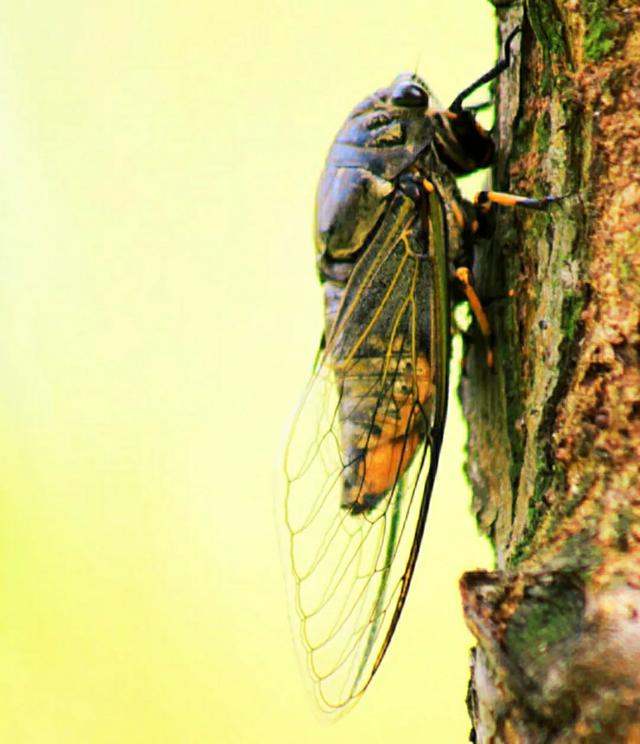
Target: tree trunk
{"points": [[554, 444]]}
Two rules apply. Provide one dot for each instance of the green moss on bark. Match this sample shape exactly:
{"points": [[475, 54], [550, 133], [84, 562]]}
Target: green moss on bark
{"points": [[549, 615], [547, 27], [598, 41]]}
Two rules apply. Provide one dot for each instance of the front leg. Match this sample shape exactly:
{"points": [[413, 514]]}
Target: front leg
{"points": [[484, 200]]}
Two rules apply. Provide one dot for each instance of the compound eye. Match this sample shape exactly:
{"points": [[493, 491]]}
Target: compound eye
{"points": [[410, 94]]}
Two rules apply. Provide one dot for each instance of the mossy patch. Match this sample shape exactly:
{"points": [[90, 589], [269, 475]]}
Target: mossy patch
{"points": [[600, 28], [535, 511], [622, 526], [572, 317], [543, 131], [547, 27], [550, 613], [581, 550]]}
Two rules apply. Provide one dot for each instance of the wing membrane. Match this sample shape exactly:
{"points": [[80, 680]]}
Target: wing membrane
{"points": [[362, 453]]}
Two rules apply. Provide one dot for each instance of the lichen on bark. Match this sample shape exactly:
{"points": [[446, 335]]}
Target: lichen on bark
{"points": [[554, 443]]}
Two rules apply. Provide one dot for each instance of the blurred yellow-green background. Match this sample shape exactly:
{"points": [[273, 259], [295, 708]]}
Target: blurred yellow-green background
{"points": [[158, 317]]}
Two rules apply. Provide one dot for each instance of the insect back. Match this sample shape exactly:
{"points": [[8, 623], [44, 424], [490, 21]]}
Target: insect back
{"points": [[391, 229]]}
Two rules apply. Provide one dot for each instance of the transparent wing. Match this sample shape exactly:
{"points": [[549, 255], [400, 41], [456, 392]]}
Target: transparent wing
{"points": [[360, 464]]}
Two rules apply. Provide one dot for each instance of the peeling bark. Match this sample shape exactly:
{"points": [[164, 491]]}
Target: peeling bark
{"points": [[554, 444]]}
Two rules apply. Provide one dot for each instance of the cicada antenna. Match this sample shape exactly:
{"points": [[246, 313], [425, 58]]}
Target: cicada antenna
{"points": [[417, 65], [501, 66]]}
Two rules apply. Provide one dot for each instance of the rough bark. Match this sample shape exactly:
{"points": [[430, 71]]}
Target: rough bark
{"points": [[554, 445]]}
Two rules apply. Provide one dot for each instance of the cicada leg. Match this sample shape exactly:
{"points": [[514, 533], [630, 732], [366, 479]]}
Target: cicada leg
{"points": [[462, 143], [492, 74], [483, 201], [464, 279]]}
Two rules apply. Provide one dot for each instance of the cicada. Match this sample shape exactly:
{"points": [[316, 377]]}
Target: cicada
{"points": [[394, 239]]}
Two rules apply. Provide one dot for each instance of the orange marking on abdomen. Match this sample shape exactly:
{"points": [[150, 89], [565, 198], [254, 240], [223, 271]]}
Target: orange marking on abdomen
{"points": [[386, 462], [391, 450]]}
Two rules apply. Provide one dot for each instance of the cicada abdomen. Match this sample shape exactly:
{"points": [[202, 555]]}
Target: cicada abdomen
{"points": [[378, 349]]}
